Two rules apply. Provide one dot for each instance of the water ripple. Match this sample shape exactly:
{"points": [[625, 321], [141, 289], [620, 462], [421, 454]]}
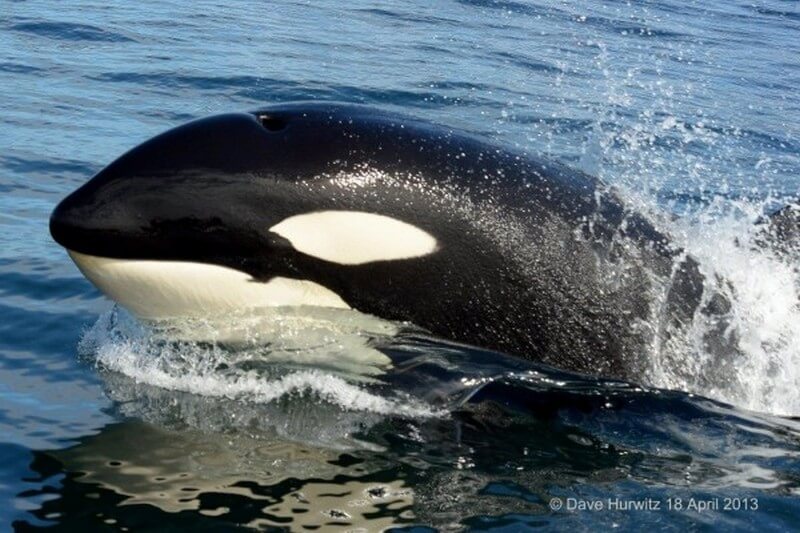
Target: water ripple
{"points": [[70, 31]]}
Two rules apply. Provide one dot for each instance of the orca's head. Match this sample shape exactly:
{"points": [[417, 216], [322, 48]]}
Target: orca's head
{"points": [[248, 210]]}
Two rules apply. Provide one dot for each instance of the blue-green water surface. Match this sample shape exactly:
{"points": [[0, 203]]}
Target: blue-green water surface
{"points": [[690, 108]]}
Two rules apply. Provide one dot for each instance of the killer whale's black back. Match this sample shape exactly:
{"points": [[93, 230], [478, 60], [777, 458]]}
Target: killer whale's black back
{"points": [[535, 258]]}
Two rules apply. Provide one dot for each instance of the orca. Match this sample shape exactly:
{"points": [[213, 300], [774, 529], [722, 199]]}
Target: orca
{"points": [[346, 207]]}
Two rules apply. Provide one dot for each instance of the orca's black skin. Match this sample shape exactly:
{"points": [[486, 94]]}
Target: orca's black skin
{"points": [[534, 258], [780, 232]]}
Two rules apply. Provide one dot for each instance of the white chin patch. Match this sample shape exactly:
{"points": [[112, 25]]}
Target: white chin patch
{"points": [[169, 289], [354, 237]]}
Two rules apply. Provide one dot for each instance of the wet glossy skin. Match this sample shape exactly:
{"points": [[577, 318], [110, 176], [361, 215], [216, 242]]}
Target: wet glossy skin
{"points": [[535, 259]]}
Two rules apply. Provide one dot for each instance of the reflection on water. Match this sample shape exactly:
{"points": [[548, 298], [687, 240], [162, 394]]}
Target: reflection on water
{"points": [[499, 449], [229, 477]]}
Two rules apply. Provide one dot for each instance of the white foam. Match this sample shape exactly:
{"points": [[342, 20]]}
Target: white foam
{"points": [[118, 343], [685, 150], [765, 314]]}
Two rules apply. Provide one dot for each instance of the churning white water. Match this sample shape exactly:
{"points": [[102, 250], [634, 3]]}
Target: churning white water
{"points": [[763, 321], [311, 357]]}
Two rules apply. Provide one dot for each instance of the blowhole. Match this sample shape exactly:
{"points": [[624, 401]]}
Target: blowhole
{"points": [[271, 123]]}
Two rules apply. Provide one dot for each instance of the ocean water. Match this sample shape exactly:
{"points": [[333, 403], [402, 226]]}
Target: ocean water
{"points": [[689, 108]]}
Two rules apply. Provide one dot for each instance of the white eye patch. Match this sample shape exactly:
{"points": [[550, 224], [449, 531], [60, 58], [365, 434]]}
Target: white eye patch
{"points": [[354, 237]]}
